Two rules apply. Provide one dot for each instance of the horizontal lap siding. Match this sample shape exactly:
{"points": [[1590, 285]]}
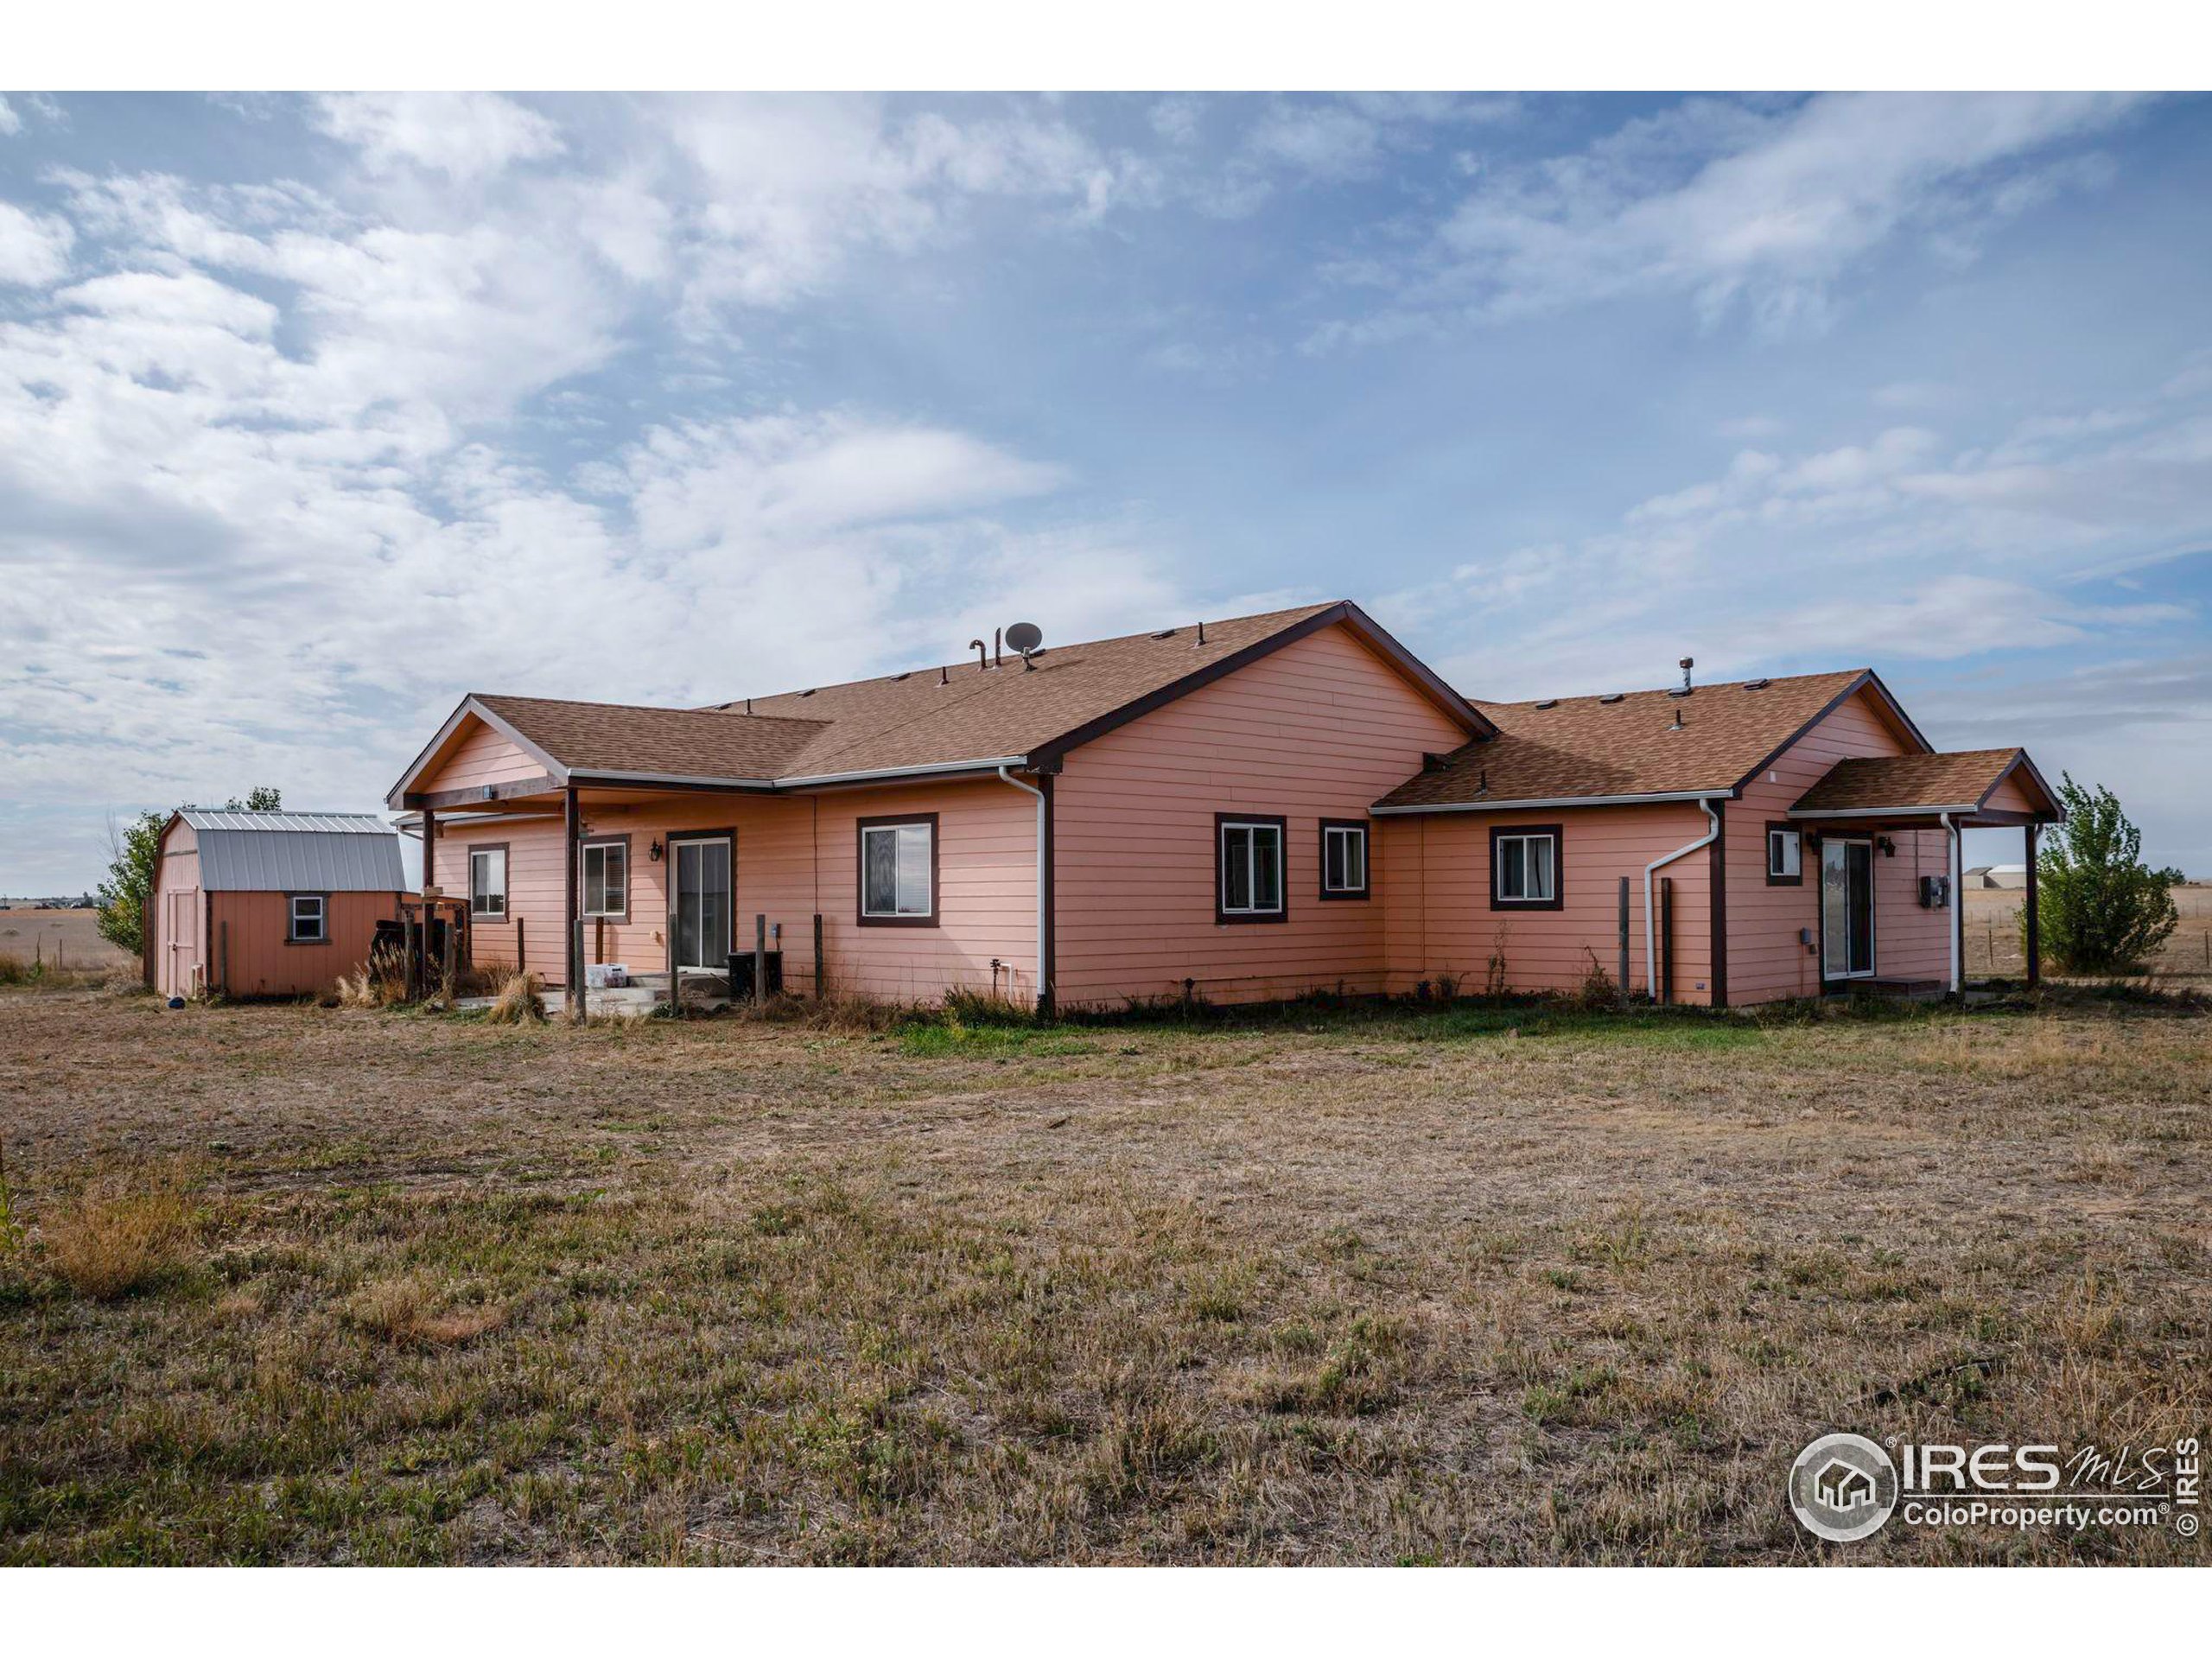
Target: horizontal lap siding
{"points": [[249, 955], [1766, 960], [2008, 796], [1319, 729], [1441, 924], [482, 756], [795, 854]]}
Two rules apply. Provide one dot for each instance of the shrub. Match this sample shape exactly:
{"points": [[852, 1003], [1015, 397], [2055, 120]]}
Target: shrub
{"points": [[2103, 909], [518, 1002], [117, 1235]]}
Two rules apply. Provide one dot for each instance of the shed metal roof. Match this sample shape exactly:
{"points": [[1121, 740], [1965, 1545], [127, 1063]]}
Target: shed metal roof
{"points": [[296, 852]]}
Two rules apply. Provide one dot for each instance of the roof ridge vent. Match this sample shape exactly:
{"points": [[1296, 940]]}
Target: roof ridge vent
{"points": [[1612, 696], [1549, 703], [1756, 685]]}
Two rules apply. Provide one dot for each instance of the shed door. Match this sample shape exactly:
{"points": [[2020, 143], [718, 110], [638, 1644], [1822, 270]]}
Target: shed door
{"points": [[182, 926]]}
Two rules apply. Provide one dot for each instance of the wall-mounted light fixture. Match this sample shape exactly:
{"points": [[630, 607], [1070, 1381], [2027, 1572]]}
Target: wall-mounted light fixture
{"points": [[653, 851], [1889, 847]]}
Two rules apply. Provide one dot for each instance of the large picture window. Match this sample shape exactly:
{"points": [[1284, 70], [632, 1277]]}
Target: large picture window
{"points": [[605, 877], [1248, 884], [1344, 858], [1524, 868], [487, 883], [898, 871], [310, 920]]}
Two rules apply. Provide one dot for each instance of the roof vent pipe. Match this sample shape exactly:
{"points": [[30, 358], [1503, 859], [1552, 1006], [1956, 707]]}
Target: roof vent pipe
{"points": [[998, 647], [982, 654], [1202, 631]]}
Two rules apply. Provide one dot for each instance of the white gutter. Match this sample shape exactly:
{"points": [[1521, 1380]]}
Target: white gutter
{"points": [[1006, 777], [1951, 922], [1002, 762], [1561, 800], [1650, 923]]}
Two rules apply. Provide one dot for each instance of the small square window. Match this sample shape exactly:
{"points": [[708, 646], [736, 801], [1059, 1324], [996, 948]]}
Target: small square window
{"points": [[1785, 855], [1344, 859], [309, 919]]}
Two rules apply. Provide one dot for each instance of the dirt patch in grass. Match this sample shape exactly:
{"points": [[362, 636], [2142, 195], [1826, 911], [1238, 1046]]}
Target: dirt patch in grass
{"points": [[1466, 1285]]}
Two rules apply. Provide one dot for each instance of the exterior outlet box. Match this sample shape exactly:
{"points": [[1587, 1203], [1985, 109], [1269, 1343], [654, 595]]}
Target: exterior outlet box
{"points": [[1934, 891]]}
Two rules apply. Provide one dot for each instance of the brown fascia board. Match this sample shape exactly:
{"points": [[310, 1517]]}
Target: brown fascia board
{"points": [[1370, 633]]}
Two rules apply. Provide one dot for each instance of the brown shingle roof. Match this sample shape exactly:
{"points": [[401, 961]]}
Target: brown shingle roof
{"points": [[1962, 778], [677, 742], [953, 715], [1571, 748]]}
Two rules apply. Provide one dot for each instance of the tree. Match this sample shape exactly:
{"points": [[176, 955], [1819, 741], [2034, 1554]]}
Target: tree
{"points": [[2103, 909], [129, 889], [135, 850]]}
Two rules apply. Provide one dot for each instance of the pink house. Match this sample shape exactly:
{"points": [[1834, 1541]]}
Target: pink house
{"points": [[1243, 808]]}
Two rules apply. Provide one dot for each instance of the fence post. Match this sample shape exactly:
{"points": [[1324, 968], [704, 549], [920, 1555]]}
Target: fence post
{"points": [[760, 958], [522, 954], [820, 990]]}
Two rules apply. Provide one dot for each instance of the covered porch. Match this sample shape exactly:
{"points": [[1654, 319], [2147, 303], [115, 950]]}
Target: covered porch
{"points": [[1852, 816]]}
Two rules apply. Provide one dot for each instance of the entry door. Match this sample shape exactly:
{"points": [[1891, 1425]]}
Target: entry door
{"points": [[1847, 909], [699, 901]]}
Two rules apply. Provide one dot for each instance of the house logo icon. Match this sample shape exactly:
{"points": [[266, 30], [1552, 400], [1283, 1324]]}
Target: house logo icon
{"points": [[1843, 1487]]}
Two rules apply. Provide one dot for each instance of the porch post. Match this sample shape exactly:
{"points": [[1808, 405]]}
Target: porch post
{"points": [[429, 848], [572, 924], [1958, 910], [2035, 925]]}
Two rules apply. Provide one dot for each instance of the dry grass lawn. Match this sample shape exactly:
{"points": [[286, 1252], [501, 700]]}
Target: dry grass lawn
{"points": [[1993, 945], [281, 1284]]}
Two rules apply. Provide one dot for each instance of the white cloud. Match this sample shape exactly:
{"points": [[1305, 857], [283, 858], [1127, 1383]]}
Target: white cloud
{"points": [[1745, 206], [466, 135], [33, 247], [11, 123]]}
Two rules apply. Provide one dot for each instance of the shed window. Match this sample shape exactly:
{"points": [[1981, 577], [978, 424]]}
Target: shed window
{"points": [[898, 871], [1524, 869], [487, 881], [1785, 855], [607, 878], [1249, 858], [308, 920], [1343, 860]]}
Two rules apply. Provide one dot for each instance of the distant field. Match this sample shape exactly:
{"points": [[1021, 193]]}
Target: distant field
{"points": [[1993, 932], [73, 935], [1472, 1284]]}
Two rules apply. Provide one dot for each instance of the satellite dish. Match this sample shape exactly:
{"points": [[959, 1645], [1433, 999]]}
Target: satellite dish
{"points": [[1025, 637]]}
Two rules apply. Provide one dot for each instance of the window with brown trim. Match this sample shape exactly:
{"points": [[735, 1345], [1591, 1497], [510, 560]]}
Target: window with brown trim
{"points": [[898, 871], [1524, 868], [1344, 858], [487, 883], [1785, 855], [603, 879], [309, 919], [1249, 877]]}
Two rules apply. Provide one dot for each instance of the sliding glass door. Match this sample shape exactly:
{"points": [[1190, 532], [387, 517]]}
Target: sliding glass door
{"points": [[1847, 909], [699, 901]]}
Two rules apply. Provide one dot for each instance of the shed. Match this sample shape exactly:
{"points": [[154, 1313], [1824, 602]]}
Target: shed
{"points": [[270, 904]]}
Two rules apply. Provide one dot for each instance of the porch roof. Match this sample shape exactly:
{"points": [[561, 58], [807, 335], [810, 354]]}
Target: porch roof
{"points": [[1963, 783]]}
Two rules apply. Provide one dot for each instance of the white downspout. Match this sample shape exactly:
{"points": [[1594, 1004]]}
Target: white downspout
{"points": [[1006, 776], [1651, 920], [1951, 922]]}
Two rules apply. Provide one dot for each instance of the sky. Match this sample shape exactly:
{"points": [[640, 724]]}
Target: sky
{"points": [[318, 413]]}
